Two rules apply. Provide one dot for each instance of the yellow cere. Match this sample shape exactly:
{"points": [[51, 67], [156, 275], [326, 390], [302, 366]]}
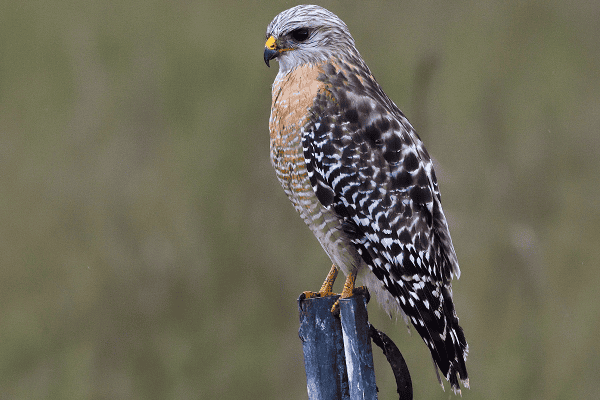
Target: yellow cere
{"points": [[270, 43]]}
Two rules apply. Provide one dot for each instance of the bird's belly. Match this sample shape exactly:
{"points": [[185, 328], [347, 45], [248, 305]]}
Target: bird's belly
{"points": [[325, 224]]}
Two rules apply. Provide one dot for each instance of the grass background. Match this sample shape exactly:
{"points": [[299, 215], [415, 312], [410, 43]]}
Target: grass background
{"points": [[148, 252]]}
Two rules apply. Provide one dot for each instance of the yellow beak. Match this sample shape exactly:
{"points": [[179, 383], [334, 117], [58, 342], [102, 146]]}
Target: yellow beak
{"points": [[270, 50], [271, 43]]}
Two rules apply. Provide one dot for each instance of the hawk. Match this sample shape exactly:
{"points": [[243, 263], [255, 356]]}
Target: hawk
{"points": [[358, 174]]}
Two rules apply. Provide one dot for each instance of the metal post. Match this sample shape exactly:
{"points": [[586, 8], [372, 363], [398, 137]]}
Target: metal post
{"points": [[337, 351], [324, 362], [357, 346]]}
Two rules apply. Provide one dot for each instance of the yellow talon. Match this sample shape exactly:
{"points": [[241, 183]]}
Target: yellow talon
{"points": [[348, 286], [326, 287], [346, 292]]}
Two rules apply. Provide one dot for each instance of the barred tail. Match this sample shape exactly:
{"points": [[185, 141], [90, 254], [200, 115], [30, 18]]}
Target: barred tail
{"points": [[429, 307]]}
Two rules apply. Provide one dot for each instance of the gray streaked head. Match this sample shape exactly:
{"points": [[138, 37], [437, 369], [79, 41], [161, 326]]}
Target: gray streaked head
{"points": [[307, 34]]}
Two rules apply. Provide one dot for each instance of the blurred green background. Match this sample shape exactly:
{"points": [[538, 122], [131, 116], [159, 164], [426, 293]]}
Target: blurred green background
{"points": [[148, 252]]}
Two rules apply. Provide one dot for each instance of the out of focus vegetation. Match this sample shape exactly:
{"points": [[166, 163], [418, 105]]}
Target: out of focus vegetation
{"points": [[147, 251]]}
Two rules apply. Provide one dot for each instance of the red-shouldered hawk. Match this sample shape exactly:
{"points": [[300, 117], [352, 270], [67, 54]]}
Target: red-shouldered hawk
{"points": [[361, 179]]}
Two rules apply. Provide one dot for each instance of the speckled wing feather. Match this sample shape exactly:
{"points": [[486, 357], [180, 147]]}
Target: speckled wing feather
{"points": [[365, 161]]}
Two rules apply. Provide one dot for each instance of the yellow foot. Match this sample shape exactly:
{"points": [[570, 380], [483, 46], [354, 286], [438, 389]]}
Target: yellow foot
{"points": [[349, 291], [326, 288]]}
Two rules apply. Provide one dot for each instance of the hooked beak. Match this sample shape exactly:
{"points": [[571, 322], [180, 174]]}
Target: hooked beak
{"points": [[270, 50]]}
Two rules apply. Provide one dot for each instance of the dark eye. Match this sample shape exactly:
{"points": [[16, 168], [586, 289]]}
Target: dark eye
{"points": [[300, 35]]}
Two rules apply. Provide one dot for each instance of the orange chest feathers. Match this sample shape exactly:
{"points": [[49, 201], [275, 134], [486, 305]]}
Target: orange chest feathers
{"points": [[293, 95]]}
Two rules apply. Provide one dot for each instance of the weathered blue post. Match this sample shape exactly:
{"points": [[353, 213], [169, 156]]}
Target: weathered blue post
{"points": [[337, 351], [324, 362], [357, 347]]}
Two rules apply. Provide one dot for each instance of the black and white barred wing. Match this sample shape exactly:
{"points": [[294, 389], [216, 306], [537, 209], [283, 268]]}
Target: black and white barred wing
{"points": [[365, 162]]}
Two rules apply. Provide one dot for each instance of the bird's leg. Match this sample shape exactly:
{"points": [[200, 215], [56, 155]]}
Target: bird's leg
{"points": [[348, 286], [348, 291], [326, 288]]}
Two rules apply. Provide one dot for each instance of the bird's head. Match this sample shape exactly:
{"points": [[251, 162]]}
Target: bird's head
{"points": [[306, 34]]}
